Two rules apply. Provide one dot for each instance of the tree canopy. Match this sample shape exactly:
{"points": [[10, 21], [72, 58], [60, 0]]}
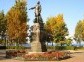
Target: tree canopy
{"points": [[2, 24], [17, 22], [57, 28], [79, 31]]}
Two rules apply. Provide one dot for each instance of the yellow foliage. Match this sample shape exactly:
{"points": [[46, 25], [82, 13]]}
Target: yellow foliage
{"points": [[56, 26], [17, 21]]}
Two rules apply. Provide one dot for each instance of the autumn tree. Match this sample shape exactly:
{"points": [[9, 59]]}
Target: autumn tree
{"points": [[56, 27], [17, 22], [79, 31]]}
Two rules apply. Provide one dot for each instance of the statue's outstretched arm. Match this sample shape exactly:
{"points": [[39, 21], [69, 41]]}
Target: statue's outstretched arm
{"points": [[32, 8]]}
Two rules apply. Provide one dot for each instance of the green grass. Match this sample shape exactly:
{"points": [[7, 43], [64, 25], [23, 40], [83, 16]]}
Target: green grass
{"points": [[79, 48], [60, 47], [15, 47]]}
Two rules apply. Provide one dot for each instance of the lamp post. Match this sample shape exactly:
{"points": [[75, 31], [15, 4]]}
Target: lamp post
{"points": [[5, 38]]}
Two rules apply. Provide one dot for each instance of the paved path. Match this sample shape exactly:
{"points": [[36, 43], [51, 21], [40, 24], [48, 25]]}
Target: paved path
{"points": [[77, 56], [2, 54]]}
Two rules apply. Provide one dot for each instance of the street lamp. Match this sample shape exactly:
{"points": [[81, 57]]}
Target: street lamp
{"points": [[5, 38]]}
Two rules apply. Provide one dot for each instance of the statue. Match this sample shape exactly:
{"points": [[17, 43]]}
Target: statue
{"points": [[37, 11], [38, 31]]}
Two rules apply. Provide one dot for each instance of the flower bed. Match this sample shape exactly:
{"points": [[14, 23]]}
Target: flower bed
{"points": [[46, 56], [14, 53]]}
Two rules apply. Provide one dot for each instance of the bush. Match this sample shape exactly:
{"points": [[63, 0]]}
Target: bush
{"points": [[2, 42], [50, 47], [69, 48], [60, 48]]}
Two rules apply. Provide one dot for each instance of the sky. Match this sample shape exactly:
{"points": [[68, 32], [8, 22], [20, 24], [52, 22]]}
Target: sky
{"points": [[72, 10]]}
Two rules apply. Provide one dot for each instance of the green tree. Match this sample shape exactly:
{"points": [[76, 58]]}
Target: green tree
{"points": [[2, 26], [79, 31], [17, 22], [68, 41], [57, 28]]}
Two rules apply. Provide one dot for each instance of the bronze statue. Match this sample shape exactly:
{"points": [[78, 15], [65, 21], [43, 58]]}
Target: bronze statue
{"points": [[37, 11], [38, 37]]}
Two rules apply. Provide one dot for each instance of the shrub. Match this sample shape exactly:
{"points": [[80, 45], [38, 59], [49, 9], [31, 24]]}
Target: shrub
{"points": [[60, 48], [50, 47], [69, 48]]}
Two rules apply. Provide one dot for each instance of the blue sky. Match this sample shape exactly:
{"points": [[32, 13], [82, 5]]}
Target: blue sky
{"points": [[73, 10]]}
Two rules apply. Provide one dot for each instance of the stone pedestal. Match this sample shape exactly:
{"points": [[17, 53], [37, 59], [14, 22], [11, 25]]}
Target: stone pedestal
{"points": [[37, 43], [36, 46]]}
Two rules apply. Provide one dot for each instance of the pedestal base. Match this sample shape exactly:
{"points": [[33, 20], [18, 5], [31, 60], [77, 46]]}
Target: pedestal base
{"points": [[38, 42], [36, 46]]}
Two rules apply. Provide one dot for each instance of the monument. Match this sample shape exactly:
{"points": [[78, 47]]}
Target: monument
{"points": [[38, 36]]}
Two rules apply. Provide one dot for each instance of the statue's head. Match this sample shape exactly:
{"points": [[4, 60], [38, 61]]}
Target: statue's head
{"points": [[38, 2]]}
